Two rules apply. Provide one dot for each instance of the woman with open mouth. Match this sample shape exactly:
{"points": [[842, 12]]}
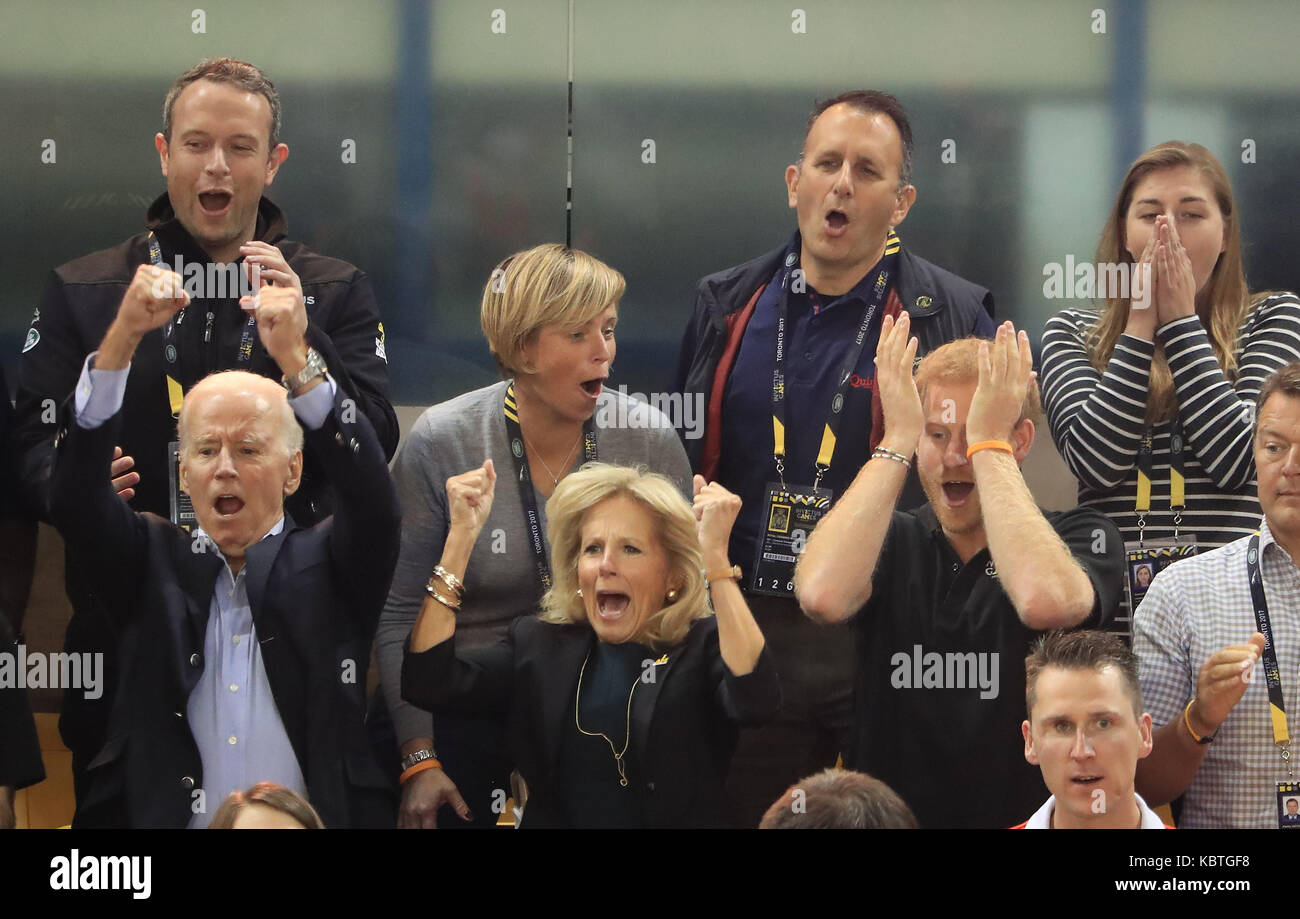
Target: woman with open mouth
{"points": [[624, 696], [549, 315]]}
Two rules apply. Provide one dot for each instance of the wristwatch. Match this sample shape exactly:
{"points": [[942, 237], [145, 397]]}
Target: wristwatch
{"points": [[315, 367], [417, 756]]}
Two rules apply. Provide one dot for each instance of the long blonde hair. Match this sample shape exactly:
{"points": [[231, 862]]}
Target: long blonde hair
{"points": [[1221, 305], [675, 524]]}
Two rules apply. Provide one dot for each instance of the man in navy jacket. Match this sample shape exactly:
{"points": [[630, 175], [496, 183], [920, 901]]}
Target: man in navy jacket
{"points": [[817, 302], [244, 642]]}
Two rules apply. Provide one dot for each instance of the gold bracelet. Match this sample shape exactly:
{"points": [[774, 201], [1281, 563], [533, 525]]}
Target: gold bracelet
{"points": [[455, 584], [719, 574], [453, 605], [1188, 722]]}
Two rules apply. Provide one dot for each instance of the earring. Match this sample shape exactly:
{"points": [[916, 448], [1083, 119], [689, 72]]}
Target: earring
{"points": [[579, 591], [672, 595]]}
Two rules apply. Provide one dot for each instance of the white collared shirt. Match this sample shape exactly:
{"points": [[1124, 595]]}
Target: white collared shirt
{"points": [[1042, 819]]}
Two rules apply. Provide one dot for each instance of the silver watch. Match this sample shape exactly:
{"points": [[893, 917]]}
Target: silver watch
{"points": [[418, 756], [315, 367]]}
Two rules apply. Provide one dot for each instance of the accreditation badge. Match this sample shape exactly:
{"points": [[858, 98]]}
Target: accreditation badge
{"points": [[182, 509], [789, 515], [1288, 805], [1149, 558]]}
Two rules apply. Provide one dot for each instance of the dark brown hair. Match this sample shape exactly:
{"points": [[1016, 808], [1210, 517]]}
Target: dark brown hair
{"points": [[1088, 649], [1284, 380], [1221, 305], [871, 102], [838, 799], [235, 73]]}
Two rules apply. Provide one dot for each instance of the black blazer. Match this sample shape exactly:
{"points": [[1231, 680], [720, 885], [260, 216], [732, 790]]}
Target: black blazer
{"points": [[684, 723], [315, 594]]}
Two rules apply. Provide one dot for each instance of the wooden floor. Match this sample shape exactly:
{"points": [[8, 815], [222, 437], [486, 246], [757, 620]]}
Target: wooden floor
{"points": [[50, 804]]}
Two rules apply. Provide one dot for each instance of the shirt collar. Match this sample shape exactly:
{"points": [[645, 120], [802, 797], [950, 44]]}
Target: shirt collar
{"points": [[1042, 819], [274, 531]]}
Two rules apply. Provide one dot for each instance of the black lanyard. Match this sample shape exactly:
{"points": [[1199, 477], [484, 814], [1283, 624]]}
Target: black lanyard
{"points": [[171, 354], [877, 296], [1146, 469], [1272, 673], [527, 497]]}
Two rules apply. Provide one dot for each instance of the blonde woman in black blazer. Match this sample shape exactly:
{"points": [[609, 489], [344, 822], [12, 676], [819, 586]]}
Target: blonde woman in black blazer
{"points": [[625, 694]]}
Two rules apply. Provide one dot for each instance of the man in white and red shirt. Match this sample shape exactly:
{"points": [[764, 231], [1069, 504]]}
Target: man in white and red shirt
{"points": [[1086, 731]]}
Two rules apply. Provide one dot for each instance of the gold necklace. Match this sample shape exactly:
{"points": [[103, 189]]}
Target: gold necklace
{"points": [[627, 739], [555, 479]]}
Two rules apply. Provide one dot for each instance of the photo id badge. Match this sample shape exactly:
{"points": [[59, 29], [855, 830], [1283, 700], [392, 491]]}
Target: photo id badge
{"points": [[1288, 805], [789, 515], [181, 507], [1148, 560]]}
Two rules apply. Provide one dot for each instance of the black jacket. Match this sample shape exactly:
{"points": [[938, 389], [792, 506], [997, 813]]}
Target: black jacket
{"points": [[81, 301], [942, 307], [315, 595], [684, 723]]}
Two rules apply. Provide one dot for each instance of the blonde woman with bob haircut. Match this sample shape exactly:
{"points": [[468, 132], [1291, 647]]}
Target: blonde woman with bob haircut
{"points": [[625, 695], [1173, 362], [549, 315]]}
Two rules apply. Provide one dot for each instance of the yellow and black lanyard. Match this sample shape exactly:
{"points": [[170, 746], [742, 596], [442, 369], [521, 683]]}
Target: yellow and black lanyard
{"points": [[527, 497], [171, 354], [1177, 483], [879, 290], [1272, 673]]}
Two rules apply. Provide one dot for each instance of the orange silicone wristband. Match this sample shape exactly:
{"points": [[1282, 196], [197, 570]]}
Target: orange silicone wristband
{"points": [[418, 768], [988, 445]]}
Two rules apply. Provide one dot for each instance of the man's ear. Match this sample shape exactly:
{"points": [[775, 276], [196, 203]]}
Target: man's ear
{"points": [[906, 198], [184, 472], [1144, 726], [792, 184], [1031, 755], [1022, 438], [273, 162], [295, 473], [164, 152]]}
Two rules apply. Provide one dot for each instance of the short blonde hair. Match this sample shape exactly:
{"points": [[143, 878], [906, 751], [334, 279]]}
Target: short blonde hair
{"points": [[958, 362], [546, 285], [267, 794], [577, 494]]}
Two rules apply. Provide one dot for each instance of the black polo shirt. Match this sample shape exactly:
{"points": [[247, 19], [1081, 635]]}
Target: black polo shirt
{"points": [[936, 715]]}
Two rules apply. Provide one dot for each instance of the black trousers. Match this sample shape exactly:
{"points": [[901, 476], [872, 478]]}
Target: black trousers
{"points": [[816, 665]]}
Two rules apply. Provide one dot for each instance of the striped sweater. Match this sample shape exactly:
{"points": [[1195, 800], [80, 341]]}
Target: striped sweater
{"points": [[1097, 419]]}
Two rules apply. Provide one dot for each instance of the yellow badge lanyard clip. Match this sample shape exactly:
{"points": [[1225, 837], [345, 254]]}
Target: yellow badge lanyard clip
{"points": [[879, 291], [1177, 482]]}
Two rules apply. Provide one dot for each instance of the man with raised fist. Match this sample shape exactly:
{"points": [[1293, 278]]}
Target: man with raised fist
{"points": [[1224, 725], [779, 351], [219, 148], [247, 637]]}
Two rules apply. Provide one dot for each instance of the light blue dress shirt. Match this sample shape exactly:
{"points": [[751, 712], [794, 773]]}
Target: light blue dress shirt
{"points": [[232, 712]]}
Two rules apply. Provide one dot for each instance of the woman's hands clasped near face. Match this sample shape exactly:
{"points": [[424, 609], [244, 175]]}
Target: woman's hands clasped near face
{"points": [[1175, 227]]}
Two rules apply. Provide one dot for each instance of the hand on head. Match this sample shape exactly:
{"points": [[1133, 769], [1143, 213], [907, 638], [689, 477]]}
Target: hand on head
{"points": [[900, 402], [1006, 368]]}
